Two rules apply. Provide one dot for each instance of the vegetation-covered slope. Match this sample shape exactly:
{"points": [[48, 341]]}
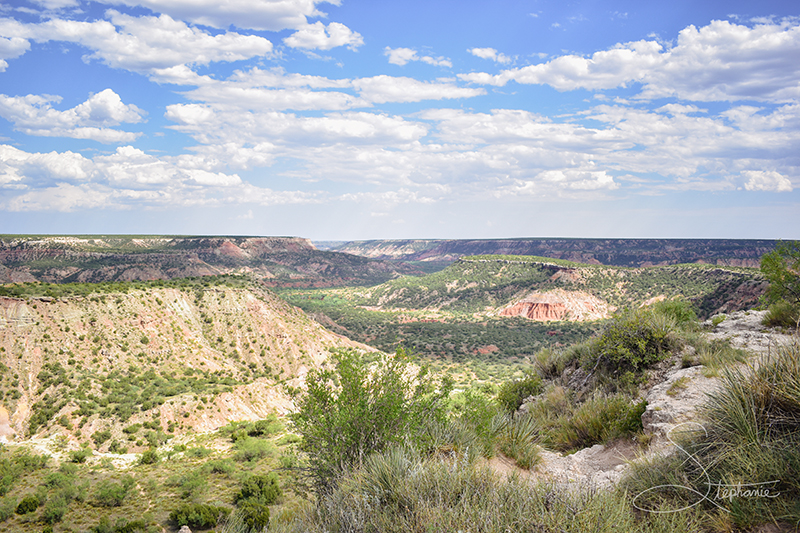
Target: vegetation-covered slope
{"points": [[286, 261], [190, 353], [619, 252]]}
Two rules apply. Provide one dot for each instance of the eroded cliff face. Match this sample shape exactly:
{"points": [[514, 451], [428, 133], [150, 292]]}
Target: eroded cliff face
{"points": [[558, 304], [285, 260]]}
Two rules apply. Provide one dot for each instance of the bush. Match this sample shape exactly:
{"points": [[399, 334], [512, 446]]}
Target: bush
{"points": [[632, 342], [198, 515], [149, 457], [251, 448], [28, 504], [111, 494], [357, 409], [678, 310], [99, 437], [254, 515], [513, 393], [80, 456], [782, 315], [263, 488], [54, 510]]}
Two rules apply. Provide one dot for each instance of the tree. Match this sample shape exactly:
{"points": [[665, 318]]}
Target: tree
{"points": [[347, 412], [781, 267]]}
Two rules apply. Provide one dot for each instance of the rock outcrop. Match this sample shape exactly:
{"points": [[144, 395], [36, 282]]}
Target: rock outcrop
{"points": [[558, 304]]}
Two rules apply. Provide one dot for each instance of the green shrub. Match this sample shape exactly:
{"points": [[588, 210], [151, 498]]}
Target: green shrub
{"points": [[513, 393], [632, 342], [598, 420], [80, 456], [112, 494], [149, 457], [360, 408], [28, 504], [263, 488], [251, 448], [99, 437], [54, 510], [121, 526], [220, 466], [782, 314], [254, 515], [198, 515], [678, 310]]}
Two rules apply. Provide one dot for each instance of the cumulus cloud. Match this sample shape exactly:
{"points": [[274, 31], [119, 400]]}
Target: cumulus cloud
{"points": [[402, 56], [93, 119], [718, 62], [11, 48], [270, 90], [317, 36], [270, 15], [766, 180], [142, 44], [69, 182], [489, 53]]}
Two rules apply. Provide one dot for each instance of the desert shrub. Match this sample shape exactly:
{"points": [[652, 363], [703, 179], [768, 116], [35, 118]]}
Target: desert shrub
{"points": [[513, 393], [551, 363], [476, 411], [198, 515], [149, 457], [28, 504], [220, 466], [253, 515], [54, 510], [263, 488], [99, 437], [109, 493], [190, 485], [121, 526], [358, 408], [782, 314], [80, 456], [409, 492], [251, 448], [632, 342], [198, 452], [7, 508], [679, 310], [599, 419]]}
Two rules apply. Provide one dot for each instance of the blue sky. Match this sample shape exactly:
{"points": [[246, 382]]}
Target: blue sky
{"points": [[436, 119]]}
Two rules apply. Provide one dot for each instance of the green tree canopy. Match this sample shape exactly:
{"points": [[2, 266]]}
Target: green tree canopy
{"points": [[781, 267]]}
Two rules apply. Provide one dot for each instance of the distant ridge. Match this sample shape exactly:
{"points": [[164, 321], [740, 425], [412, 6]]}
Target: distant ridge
{"points": [[610, 252]]}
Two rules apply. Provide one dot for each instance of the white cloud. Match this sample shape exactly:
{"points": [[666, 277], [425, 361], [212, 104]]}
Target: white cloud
{"points": [[402, 56], [765, 180], [143, 44], [490, 53], [317, 36], [128, 177], [718, 62], [382, 89], [11, 48], [34, 115], [270, 15], [56, 4]]}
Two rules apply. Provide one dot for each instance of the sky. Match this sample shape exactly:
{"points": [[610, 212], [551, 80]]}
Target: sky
{"points": [[357, 119]]}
